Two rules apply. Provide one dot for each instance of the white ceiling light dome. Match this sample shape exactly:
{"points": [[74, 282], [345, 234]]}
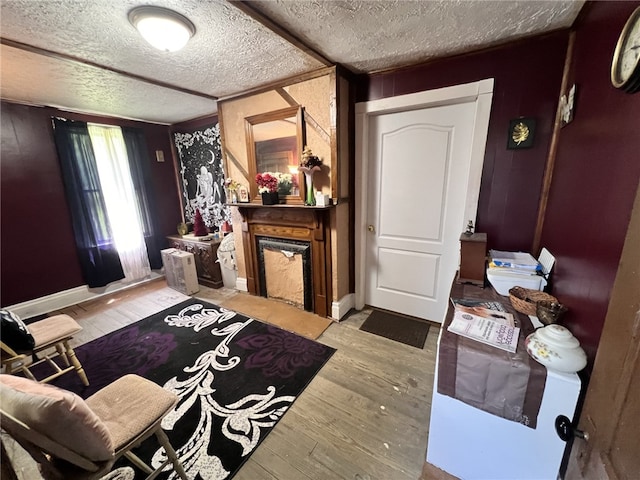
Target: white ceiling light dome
{"points": [[164, 29]]}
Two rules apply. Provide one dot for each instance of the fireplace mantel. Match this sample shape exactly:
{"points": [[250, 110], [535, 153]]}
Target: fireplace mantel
{"points": [[292, 222]]}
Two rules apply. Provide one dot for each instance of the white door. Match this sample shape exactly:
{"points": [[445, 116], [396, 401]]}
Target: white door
{"points": [[421, 175]]}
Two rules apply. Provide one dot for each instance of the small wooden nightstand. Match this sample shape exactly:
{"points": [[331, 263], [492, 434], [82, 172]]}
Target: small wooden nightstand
{"points": [[205, 254], [473, 257]]}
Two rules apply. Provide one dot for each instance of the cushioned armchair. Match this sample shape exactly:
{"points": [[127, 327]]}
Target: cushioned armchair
{"points": [[74, 439]]}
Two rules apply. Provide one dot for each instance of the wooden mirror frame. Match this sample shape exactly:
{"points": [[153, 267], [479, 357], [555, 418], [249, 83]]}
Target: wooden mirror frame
{"points": [[251, 149]]}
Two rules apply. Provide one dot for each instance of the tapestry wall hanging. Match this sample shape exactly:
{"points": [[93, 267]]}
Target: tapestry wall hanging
{"points": [[202, 175]]}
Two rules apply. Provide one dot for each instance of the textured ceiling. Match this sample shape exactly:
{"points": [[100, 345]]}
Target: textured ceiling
{"points": [[368, 36], [92, 47]]}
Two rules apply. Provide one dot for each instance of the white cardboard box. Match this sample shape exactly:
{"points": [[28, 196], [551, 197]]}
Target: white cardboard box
{"points": [[180, 270]]}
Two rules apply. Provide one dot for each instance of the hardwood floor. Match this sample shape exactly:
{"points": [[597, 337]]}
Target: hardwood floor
{"points": [[365, 416]]}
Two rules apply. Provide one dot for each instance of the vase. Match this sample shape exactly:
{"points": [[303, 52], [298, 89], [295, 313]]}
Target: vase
{"points": [[310, 198], [269, 198]]}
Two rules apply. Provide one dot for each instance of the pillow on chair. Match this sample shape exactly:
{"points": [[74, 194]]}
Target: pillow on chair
{"points": [[61, 415], [15, 333]]}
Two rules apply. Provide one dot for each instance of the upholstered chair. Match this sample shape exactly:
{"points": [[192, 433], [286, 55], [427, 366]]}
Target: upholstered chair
{"points": [[74, 439], [25, 346]]}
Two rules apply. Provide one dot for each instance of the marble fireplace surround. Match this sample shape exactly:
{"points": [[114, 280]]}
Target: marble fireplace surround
{"points": [[298, 224]]}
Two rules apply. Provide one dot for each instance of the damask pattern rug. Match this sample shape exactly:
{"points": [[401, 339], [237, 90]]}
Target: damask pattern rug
{"points": [[235, 378]]}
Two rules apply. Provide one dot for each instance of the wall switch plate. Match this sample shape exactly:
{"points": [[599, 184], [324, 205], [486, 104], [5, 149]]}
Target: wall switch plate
{"points": [[159, 155]]}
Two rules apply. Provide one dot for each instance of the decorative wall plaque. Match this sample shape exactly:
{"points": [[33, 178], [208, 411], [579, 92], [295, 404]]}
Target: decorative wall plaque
{"points": [[521, 133]]}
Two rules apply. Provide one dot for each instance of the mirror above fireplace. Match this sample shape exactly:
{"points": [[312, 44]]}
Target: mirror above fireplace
{"points": [[274, 145]]}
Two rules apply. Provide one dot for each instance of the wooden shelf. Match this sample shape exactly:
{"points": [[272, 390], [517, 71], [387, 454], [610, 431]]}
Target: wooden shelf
{"points": [[281, 205]]}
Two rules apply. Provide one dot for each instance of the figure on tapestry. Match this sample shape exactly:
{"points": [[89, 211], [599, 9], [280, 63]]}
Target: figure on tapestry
{"points": [[202, 173]]}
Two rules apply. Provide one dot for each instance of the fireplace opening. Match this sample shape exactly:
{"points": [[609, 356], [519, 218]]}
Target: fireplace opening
{"points": [[284, 269]]}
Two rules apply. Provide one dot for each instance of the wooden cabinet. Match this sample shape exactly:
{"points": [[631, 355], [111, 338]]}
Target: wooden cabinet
{"points": [[205, 254], [473, 254]]}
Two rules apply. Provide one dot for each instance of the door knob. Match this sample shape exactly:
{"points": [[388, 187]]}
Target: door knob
{"points": [[566, 431], [371, 228]]}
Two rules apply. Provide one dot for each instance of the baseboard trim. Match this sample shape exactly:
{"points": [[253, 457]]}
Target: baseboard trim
{"points": [[241, 284], [340, 308], [66, 298]]}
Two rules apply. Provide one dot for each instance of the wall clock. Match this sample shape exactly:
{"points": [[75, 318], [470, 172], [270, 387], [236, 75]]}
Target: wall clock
{"points": [[625, 67]]}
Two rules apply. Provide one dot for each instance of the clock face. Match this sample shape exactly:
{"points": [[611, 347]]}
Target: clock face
{"points": [[625, 69], [630, 51]]}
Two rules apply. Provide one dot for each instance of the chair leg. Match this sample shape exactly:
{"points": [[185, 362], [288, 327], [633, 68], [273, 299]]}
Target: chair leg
{"points": [[171, 453], [76, 363], [62, 354], [133, 458]]}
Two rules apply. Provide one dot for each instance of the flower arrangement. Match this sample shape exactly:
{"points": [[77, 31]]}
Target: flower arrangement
{"points": [[309, 165], [310, 162], [231, 185], [286, 182], [266, 182]]}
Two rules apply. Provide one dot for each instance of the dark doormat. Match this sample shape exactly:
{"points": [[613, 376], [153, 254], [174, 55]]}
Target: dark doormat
{"points": [[396, 327]]}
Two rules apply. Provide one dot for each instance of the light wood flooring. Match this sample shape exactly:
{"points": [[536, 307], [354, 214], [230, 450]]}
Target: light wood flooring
{"points": [[365, 416]]}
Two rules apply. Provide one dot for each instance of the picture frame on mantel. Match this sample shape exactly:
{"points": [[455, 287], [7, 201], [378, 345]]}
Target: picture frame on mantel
{"points": [[243, 194]]}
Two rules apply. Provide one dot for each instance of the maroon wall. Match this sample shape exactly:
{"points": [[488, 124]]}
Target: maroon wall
{"points": [[595, 176], [37, 244], [527, 77]]}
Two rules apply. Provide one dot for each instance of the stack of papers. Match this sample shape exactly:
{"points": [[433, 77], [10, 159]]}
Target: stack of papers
{"points": [[491, 327], [519, 263]]}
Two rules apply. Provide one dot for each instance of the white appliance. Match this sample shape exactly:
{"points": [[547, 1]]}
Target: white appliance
{"points": [[180, 270], [475, 445]]}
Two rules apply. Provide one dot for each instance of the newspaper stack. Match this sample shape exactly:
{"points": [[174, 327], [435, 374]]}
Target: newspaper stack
{"points": [[491, 327]]}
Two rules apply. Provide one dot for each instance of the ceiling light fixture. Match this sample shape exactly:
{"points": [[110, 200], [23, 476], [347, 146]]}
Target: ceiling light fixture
{"points": [[165, 29]]}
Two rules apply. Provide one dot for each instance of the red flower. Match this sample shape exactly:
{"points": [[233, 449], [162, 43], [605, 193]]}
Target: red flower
{"points": [[266, 182]]}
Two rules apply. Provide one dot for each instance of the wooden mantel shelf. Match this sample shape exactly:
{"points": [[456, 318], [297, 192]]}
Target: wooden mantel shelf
{"points": [[280, 205], [295, 222]]}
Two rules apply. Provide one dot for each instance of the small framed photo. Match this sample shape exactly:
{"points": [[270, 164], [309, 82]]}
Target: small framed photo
{"points": [[243, 194]]}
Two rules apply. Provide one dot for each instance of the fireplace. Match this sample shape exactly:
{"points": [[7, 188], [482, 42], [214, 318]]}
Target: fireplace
{"points": [[287, 252], [284, 270]]}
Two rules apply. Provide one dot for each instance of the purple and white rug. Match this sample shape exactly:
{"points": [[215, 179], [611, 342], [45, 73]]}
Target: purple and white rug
{"points": [[235, 378]]}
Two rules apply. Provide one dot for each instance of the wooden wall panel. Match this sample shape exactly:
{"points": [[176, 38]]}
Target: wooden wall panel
{"points": [[527, 77], [38, 249], [596, 174]]}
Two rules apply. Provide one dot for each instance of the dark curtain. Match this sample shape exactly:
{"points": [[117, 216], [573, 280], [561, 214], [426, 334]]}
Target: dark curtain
{"points": [[98, 256], [139, 165]]}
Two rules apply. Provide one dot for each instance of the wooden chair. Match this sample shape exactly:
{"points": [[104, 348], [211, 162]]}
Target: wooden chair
{"points": [[73, 439], [52, 336]]}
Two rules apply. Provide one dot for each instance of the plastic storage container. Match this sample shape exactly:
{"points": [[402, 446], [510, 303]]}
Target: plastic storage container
{"points": [[503, 281]]}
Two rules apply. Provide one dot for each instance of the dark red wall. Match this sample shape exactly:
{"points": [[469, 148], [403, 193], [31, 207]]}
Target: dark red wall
{"points": [[527, 77], [37, 245], [597, 165], [595, 177]]}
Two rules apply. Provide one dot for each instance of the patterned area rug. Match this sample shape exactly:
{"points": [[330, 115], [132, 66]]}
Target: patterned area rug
{"points": [[235, 377]]}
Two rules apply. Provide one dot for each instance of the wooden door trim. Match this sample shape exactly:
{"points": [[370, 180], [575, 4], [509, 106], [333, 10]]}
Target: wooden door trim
{"points": [[480, 92]]}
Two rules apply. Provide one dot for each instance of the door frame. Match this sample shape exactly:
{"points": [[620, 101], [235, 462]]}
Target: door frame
{"points": [[480, 92]]}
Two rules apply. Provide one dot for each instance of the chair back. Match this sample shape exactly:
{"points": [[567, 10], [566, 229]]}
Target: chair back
{"points": [[56, 428], [43, 450]]}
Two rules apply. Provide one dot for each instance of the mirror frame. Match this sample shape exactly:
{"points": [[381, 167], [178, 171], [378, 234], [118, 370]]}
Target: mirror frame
{"points": [[282, 114]]}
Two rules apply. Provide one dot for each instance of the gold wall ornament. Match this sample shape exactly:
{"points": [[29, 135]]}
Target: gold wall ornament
{"points": [[521, 133]]}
